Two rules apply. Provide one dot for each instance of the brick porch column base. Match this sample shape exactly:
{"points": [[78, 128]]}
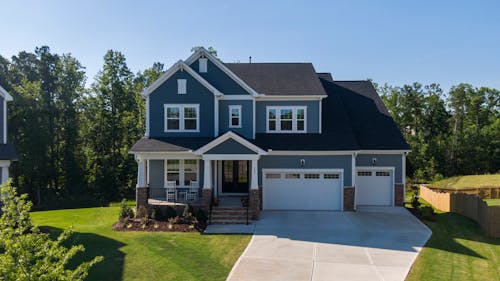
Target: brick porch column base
{"points": [[398, 194], [255, 203], [141, 197], [206, 199], [349, 198]]}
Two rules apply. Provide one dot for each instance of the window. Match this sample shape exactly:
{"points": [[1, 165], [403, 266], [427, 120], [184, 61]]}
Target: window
{"points": [[181, 86], [182, 171], [235, 116], [182, 118], [382, 174], [311, 176], [202, 65], [286, 119], [292, 176], [331, 176], [273, 176], [364, 173]]}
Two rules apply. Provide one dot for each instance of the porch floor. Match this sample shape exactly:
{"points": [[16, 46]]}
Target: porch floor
{"points": [[170, 203]]}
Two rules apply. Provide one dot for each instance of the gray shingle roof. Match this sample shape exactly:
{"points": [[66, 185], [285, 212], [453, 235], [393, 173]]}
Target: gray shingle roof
{"points": [[279, 78]]}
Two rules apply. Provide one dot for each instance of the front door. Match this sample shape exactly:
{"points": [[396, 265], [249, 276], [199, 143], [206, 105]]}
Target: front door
{"points": [[235, 176]]}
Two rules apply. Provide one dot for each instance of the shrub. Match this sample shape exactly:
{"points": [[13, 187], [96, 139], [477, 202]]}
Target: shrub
{"points": [[415, 202], [188, 211], [171, 213], [157, 214], [201, 216], [142, 212], [125, 211], [427, 213]]}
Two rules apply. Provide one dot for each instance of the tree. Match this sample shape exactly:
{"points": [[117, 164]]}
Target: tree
{"points": [[210, 50], [28, 254]]}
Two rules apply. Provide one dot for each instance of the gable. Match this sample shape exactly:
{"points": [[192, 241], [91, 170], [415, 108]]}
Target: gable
{"points": [[230, 146], [219, 79]]}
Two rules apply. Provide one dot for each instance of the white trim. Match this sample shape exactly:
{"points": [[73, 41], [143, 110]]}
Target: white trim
{"points": [[216, 117], [320, 116], [403, 174], [225, 137], [4, 120], [278, 119], [5, 94], [318, 171], [146, 134], [237, 97], [182, 165], [306, 152], [171, 71], [381, 168], [383, 151], [353, 177], [237, 107], [202, 51], [181, 118], [289, 97], [253, 117], [5, 163], [230, 157], [148, 168], [164, 155]]}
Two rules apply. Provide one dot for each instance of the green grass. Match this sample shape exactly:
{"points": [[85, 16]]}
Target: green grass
{"points": [[469, 181], [457, 250], [143, 255], [493, 202]]}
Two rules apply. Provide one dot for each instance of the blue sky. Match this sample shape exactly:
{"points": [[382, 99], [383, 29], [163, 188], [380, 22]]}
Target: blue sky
{"points": [[389, 41]]}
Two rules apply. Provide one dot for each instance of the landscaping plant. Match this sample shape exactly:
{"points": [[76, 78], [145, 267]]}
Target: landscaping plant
{"points": [[125, 211], [28, 254]]}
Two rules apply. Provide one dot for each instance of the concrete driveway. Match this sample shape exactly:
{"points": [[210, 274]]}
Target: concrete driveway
{"points": [[374, 243]]}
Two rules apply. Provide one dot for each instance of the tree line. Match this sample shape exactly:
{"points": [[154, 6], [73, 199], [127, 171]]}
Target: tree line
{"points": [[73, 140]]}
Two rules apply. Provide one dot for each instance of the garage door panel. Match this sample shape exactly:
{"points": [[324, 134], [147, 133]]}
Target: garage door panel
{"points": [[374, 187], [302, 193]]}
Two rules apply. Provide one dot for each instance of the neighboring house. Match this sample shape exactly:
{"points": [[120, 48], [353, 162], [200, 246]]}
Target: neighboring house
{"points": [[7, 151], [290, 138]]}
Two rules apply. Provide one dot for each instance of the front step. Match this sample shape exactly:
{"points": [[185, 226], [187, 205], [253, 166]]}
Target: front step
{"points": [[230, 215]]}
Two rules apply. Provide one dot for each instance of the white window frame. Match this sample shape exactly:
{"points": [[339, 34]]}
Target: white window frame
{"points": [[237, 107], [278, 119], [181, 86], [181, 170], [203, 65], [181, 117]]}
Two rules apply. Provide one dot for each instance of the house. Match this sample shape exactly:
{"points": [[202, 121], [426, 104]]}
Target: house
{"points": [[281, 134], [7, 151]]}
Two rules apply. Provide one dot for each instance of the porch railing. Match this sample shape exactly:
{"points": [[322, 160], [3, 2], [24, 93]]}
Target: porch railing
{"points": [[160, 194]]}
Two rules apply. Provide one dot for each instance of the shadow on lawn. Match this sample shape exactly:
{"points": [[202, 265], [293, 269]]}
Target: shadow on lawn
{"points": [[448, 227], [111, 268]]}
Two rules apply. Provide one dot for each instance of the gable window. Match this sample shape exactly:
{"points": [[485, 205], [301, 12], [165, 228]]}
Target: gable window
{"points": [[235, 116], [181, 86], [286, 119], [202, 65], [182, 117], [183, 172]]}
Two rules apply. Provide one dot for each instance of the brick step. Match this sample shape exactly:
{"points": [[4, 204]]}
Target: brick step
{"points": [[230, 221], [230, 211], [224, 217], [229, 208]]}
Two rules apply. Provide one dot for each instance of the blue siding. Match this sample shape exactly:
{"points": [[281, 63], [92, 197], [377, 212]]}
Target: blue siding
{"points": [[312, 113], [219, 79], [383, 160], [246, 129], [230, 146], [1, 121], [312, 162], [167, 94]]}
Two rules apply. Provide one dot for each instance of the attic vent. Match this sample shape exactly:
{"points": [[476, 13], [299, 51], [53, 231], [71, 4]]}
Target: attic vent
{"points": [[202, 67]]}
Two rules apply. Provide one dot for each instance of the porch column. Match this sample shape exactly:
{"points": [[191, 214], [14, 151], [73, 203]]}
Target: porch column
{"points": [[255, 192], [254, 183], [141, 191], [141, 172], [207, 174]]}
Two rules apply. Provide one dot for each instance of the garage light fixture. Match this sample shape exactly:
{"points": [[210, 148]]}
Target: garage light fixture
{"points": [[302, 162]]}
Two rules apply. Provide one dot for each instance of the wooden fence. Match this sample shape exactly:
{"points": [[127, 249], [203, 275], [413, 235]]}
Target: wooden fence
{"points": [[469, 205], [485, 192]]}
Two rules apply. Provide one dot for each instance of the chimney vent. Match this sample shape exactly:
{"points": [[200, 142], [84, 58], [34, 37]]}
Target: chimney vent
{"points": [[250, 59]]}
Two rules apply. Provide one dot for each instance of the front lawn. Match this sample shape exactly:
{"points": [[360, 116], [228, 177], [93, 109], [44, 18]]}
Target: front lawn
{"points": [[493, 202], [457, 250], [469, 181], [144, 255]]}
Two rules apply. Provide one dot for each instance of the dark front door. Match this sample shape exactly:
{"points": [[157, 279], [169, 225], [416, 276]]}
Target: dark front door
{"points": [[235, 176]]}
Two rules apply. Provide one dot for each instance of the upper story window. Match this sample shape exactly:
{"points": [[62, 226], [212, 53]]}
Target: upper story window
{"points": [[181, 86], [235, 116], [286, 119], [182, 117], [202, 65]]}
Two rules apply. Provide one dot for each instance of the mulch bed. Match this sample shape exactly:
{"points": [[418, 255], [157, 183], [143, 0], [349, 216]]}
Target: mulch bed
{"points": [[153, 225]]}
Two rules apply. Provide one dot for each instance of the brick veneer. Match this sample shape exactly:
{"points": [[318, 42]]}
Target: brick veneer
{"points": [[349, 198], [141, 197], [399, 194], [255, 201], [206, 199]]}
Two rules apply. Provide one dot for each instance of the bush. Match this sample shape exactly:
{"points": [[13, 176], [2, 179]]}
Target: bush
{"points": [[125, 211], [415, 202], [157, 214], [171, 213], [188, 211], [142, 212], [201, 216], [427, 213]]}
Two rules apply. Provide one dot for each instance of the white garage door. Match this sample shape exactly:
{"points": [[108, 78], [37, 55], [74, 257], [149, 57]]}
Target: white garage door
{"points": [[299, 190], [374, 187]]}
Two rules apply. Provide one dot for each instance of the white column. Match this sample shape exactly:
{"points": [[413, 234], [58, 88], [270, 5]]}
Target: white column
{"points": [[254, 183], [141, 172], [5, 173], [207, 174], [403, 173]]}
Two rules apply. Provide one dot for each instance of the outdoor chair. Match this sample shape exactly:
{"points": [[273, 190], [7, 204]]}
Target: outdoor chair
{"points": [[192, 192], [170, 191]]}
